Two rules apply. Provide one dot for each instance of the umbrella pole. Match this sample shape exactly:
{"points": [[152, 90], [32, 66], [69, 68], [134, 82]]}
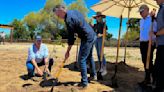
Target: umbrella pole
{"points": [[114, 78], [126, 37]]}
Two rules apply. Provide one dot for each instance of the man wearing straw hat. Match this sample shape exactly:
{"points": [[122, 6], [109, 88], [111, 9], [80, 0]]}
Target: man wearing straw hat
{"points": [[76, 23], [145, 28], [99, 28]]}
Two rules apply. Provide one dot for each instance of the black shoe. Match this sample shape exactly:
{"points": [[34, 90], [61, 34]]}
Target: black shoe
{"points": [[94, 78], [144, 83], [158, 90], [82, 86], [26, 77]]}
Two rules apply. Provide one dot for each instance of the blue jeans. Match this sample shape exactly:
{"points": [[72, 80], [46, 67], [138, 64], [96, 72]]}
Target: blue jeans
{"points": [[98, 45], [85, 54], [31, 68]]}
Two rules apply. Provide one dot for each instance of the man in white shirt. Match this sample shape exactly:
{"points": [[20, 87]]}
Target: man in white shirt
{"points": [[145, 28], [38, 56]]}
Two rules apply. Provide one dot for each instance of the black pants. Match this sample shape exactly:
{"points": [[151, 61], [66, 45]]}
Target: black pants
{"points": [[31, 68], [51, 61], [159, 67], [144, 50]]}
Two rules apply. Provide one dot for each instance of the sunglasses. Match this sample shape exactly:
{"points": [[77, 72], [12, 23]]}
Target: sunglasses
{"points": [[39, 41]]}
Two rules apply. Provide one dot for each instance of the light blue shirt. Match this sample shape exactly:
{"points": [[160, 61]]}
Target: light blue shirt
{"points": [[38, 55], [145, 26]]}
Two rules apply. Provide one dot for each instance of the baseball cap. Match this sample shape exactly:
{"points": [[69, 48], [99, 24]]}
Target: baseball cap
{"points": [[143, 7], [38, 37]]}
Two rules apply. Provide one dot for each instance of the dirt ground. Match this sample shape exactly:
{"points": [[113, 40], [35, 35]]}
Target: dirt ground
{"points": [[13, 68]]}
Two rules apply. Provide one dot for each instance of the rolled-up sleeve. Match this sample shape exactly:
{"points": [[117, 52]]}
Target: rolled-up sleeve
{"points": [[31, 53]]}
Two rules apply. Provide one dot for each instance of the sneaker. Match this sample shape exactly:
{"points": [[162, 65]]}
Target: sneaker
{"points": [[94, 78], [104, 72], [82, 86], [101, 69]]}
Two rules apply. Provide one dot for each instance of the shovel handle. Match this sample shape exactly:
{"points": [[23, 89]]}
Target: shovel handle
{"points": [[149, 49], [60, 69], [103, 39]]}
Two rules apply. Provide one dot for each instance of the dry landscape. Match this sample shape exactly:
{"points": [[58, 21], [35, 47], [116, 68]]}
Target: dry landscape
{"points": [[13, 67]]}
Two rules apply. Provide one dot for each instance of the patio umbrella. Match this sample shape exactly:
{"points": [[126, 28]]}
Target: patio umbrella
{"points": [[122, 9], [125, 8]]}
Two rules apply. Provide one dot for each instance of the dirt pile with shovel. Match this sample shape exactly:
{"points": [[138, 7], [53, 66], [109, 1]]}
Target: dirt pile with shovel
{"points": [[13, 69]]}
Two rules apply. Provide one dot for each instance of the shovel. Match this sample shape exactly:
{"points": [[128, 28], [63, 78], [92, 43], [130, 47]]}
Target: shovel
{"points": [[99, 75], [114, 77], [55, 81]]}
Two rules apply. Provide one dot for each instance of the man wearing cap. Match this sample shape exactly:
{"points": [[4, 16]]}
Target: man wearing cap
{"points": [[99, 28], [145, 28], [159, 64], [38, 56], [76, 23]]}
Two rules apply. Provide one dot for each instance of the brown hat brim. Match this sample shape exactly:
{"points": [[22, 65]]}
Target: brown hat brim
{"points": [[103, 16]]}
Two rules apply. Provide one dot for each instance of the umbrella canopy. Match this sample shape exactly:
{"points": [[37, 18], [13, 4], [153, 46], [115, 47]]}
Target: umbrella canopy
{"points": [[126, 8]]}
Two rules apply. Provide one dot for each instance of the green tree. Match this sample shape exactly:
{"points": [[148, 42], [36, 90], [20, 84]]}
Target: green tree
{"points": [[20, 31], [81, 6], [52, 23], [32, 21], [133, 32], [108, 36], [51, 3], [46, 23]]}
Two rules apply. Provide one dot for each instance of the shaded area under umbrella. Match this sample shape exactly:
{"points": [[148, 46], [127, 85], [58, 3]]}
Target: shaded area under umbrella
{"points": [[122, 9]]}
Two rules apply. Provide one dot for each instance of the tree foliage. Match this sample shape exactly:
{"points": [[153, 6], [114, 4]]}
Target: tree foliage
{"points": [[20, 31], [108, 36], [133, 32], [45, 22]]}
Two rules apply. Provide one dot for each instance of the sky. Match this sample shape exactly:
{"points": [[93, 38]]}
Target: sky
{"points": [[18, 9]]}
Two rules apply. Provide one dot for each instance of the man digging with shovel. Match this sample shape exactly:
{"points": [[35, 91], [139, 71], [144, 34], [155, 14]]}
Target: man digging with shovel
{"points": [[76, 23]]}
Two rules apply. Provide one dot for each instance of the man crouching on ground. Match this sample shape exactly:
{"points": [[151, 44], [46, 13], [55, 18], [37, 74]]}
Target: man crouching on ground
{"points": [[38, 56]]}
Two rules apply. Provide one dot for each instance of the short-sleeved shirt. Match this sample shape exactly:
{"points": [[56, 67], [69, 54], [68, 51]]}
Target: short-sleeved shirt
{"points": [[98, 28], [37, 54], [145, 26], [160, 24], [76, 23], [3, 35]]}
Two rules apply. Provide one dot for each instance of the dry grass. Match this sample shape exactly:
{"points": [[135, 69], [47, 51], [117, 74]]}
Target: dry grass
{"points": [[13, 65]]}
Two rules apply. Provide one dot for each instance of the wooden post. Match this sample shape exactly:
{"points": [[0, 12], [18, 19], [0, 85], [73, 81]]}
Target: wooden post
{"points": [[11, 35]]}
